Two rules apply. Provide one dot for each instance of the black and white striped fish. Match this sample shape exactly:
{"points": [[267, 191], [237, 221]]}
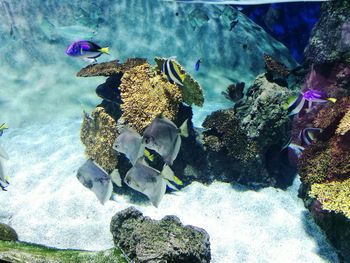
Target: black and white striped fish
{"points": [[172, 71]]}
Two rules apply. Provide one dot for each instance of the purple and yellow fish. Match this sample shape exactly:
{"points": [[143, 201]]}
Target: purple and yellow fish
{"points": [[86, 50], [296, 103]]}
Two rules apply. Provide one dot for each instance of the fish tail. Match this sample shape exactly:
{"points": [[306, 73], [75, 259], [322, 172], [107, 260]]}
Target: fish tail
{"points": [[184, 129], [149, 155], [333, 100], [4, 126], [104, 50]]}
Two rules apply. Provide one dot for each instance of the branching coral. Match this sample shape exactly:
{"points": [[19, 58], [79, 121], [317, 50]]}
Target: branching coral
{"points": [[334, 196], [98, 134], [192, 92], [146, 94]]}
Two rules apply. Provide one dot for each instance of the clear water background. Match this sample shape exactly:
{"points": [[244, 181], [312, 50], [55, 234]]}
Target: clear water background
{"points": [[42, 101]]}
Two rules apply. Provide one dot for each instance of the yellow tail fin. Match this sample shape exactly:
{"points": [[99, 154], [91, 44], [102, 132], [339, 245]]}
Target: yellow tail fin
{"points": [[104, 50], [332, 100]]}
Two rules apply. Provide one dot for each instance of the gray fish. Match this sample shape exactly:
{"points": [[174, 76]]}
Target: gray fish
{"points": [[149, 181], [164, 137], [3, 182], [92, 176], [130, 143]]}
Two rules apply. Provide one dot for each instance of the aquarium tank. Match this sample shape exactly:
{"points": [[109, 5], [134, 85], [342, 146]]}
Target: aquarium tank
{"points": [[175, 131]]}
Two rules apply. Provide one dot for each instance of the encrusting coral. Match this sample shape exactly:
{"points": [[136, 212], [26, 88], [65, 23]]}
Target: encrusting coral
{"points": [[334, 196], [145, 95], [98, 134], [192, 92], [344, 125]]}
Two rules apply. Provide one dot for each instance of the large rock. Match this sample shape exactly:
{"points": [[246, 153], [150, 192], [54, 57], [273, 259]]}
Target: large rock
{"points": [[330, 40], [156, 241], [7, 233], [244, 143]]}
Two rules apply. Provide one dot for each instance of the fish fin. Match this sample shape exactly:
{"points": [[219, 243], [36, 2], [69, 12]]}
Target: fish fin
{"points": [[104, 50], [168, 174], [115, 176], [333, 100], [157, 197], [171, 186], [4, 126], [114, 197], [3, 153], [184, 129], [169, 159], [148, 155], [109, 193]]}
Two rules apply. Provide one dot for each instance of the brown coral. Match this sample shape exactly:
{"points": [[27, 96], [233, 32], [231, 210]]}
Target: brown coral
{"points": [[146, 94], [110, 68], [192, 92], [98, 134], [275, 67]]}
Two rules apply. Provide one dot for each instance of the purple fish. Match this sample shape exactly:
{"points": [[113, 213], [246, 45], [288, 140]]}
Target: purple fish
{"points": [[296, 103], [86, 50]]}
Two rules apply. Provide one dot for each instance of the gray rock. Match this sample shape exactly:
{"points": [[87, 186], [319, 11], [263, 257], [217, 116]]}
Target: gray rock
{"points": [[244, 142], [154, 241], [330, 40], [7, 233]]}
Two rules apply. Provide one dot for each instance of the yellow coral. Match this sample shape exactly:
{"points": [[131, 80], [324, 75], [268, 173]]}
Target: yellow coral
{"points": [[146, 94], [98, 135], [334, 196], [344, 125]]}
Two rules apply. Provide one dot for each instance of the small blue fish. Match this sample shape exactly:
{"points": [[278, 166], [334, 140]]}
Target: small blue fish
{"points": [[197, 65], [86, 50]]}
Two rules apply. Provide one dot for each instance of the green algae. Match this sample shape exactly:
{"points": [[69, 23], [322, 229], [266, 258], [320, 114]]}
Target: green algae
{"points": [[25, 252]]}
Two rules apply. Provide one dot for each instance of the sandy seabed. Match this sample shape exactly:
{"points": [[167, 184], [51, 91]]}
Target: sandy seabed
{"points": [[46, 204]]}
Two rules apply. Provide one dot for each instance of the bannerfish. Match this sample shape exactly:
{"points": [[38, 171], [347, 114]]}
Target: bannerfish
{"points": [[172, 71], [197, 65], [296, 103], [2, 128], [293, 152], [149, 181], [94, 177], [164, 137], [86, 50], [130, 143], [308, 135]]}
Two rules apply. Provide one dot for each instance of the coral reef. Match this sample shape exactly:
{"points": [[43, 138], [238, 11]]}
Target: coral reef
{"points": [[145, 95], [234, 92], [244, 143], [344, 125], [165, 240], [98, 133], [110, 68], [192, 92]]}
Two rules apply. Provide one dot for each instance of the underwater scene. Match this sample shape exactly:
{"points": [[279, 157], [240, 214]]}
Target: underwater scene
{"points": [[175, 131]]}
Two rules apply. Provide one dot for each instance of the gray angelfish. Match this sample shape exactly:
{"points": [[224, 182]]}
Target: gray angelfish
{"points": [[163, 136], [149, 181], [130, 143], [3, 181], [94, 177]]}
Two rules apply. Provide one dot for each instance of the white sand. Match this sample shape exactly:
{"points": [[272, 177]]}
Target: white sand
{"points": [[46, 204]]}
